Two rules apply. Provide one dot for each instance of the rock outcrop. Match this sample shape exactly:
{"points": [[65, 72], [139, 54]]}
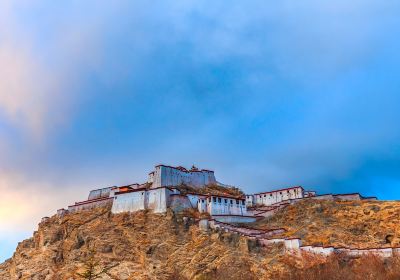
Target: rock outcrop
{"points": [[139, 245], [143, 245]]}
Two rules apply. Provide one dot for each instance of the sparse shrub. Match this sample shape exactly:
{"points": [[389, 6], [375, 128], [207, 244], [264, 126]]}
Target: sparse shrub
{"points": [[93, 268]]}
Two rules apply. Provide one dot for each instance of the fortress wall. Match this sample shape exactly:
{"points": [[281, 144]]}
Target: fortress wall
{"points": [[154, 199], [193, 199], [249, 200], [234, 219], [226, 206], [325, 197], [269, 198], [90, 204], [165, 176], [129, 202], [292, 244], [267, 242], [202, 205], [158, 199], [179, 203], [348, 197], [105, 192]]}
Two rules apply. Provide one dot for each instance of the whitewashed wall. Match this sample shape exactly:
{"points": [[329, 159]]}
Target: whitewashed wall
{"points": [[225, 206], [234, 219], [292, 244], [274, 197], [202, 205], [104, 192], [249, 200], [129, 202], [157, 200], [347, 197], [194, 199], [168, 176]]}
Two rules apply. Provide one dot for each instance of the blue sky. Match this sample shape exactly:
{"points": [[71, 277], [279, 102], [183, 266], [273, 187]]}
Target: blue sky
{"points": [[268, 94]]}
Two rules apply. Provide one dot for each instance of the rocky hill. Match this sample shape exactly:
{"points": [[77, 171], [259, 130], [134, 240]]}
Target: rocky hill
{"points": [[140, 245], [143, 245], [355, 224]]}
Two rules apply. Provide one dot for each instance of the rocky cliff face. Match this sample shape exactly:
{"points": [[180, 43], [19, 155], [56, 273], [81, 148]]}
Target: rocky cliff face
{"points": [[356, 224], [144, 245], [140, 245]]}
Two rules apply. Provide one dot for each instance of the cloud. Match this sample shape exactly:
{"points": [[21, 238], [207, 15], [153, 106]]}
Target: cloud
{"points": [[40, 80], [24, 201], [25, 91]]}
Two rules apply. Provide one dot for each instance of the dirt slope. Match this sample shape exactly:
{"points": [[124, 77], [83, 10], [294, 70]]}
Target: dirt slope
{"points": [[359, 224], [140, 245], [143, 245]]}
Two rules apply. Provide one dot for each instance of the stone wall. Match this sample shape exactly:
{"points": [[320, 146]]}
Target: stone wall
{"points": [[179, 203], [90, 204], [167, 176], [234, 219], [104, 192]]}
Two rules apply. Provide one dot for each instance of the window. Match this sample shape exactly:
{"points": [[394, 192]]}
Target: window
{"points": [[219, 200], [231, 201], [265, 195], [237, 201], [214, 199], [226, 201], [270, 194], [202, 200]]}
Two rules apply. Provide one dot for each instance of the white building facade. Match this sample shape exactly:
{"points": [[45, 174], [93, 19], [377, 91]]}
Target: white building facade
{"points": [[274, 197], [157, 199], [168, 176], [223, 205]]}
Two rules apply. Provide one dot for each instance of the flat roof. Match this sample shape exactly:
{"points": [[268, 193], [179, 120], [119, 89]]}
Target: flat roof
{"points": [[183, 169]]}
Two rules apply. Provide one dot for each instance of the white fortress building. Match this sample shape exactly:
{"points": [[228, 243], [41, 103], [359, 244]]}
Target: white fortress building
{"points": [[277, 196], [163, 191], [167, 176]]}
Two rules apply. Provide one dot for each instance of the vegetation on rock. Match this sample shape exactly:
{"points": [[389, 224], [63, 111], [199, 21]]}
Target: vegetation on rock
{"points": [[143, 245]]}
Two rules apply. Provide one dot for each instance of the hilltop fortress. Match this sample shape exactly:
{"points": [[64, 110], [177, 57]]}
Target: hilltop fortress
{"points": [[220, 207], [183, 218], [179, 188]]}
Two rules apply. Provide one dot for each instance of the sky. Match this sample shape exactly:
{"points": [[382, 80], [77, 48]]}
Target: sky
{"points": [[269, 94]]}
